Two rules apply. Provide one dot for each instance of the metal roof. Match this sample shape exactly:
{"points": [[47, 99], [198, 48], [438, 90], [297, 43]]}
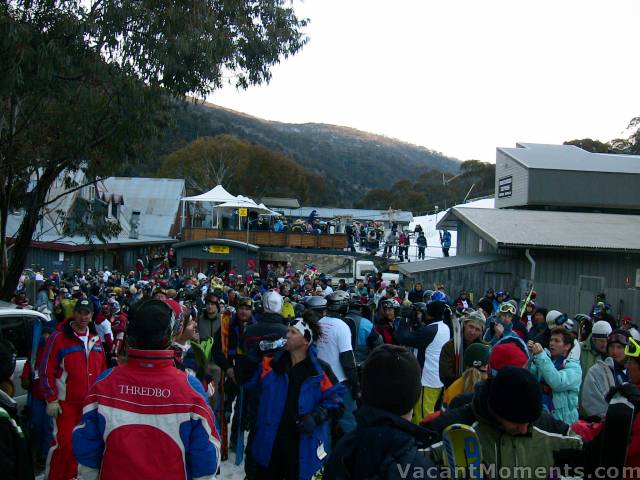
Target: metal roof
{"points": [[157, 200], [272, 202], [545, 229], [570, 157], [446, 262], [354, 213]]}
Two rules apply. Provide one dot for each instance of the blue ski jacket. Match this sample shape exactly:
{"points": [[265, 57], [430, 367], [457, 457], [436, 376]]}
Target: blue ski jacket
{"points": [[316, 391]]}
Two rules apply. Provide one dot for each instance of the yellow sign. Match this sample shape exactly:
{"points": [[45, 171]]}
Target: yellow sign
{"points": [[218, 249], [242, 212]]}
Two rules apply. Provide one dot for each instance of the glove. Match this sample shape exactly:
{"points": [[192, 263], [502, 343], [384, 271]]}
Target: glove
{"points": [[307, 423], [54, 409], [628, 391]]}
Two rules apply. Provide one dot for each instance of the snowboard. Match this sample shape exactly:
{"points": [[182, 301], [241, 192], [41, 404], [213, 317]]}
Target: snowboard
{"points": [[462, 454]]}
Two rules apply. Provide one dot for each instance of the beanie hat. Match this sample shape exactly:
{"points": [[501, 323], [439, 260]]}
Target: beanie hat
{"points": [[476, 316], [476, 355], [515, 395], [436, 310], [508, 352], [618, 336], [601, 329], [391, 379], [152, 323]]}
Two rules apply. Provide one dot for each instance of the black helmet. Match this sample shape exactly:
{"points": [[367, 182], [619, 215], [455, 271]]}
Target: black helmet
{"points": [[338, 301], [152, 325], [316, 303]]}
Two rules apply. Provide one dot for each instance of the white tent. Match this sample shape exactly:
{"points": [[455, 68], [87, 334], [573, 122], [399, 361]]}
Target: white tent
{"points": [[215, 195]]}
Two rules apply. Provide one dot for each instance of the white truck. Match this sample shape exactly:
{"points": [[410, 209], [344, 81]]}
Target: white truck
{"points": [[358, 270]]}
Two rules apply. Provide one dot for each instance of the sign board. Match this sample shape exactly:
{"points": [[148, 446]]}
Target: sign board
{"points": [[505, 186], [218, 249], [242, 212]]}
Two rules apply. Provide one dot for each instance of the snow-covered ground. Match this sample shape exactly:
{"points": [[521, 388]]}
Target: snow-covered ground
{"points": [[428, 223]]}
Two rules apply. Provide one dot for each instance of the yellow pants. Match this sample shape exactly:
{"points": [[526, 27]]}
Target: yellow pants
{"points": [[426, 404]]}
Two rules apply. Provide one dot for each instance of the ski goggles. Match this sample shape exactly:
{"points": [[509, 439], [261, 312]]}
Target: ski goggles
{"points": [[507, 308], [632, 349]]}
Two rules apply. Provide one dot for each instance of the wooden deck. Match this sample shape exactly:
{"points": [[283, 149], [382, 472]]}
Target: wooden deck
{"points": [[336, 241]]}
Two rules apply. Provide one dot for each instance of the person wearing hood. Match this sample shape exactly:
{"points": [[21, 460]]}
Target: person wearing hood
{"points": [[15, 458], [502, 327], [298, 396], [385, 444], [604, 375], [559, 374]]}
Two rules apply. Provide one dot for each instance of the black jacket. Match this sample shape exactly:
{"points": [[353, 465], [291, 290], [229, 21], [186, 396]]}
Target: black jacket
{"points": [[15, 459], [384, 446], [479, 407]]}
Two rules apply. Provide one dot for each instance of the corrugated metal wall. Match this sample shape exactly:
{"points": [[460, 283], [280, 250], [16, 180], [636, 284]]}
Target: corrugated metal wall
{"points": [[565, 280]]}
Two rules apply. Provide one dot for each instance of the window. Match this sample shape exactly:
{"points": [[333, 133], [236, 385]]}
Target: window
{"points": [[18, 330]]}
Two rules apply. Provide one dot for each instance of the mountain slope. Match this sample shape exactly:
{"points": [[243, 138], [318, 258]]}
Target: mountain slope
{"points": [[350, 160]]}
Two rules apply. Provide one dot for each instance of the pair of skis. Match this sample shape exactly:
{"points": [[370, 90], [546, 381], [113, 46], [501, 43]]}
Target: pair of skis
{"points": [[238, 436]]}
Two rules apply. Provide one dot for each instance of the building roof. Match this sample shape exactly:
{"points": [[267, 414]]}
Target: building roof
{"points": [[398, 216], [274, 202], [570, 157], [157, 200], [445, 263], [549, 229]]}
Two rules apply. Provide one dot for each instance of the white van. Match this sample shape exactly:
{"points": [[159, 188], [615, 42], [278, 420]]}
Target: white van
{"points": [[16, 325]]}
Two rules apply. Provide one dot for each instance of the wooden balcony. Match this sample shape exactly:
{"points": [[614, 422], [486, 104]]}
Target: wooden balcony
{"points": [[261, 238]]}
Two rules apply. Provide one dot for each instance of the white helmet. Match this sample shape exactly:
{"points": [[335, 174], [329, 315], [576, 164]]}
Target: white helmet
{"points": [[272, 302], [601, 329], [555, 318]]}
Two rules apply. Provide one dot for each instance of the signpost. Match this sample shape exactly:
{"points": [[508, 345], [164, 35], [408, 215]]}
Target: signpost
{"points": [[242, 212]]}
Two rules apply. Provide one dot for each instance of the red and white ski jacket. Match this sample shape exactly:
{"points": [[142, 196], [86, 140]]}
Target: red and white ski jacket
{"points": [[68, 369], [147, 419]]}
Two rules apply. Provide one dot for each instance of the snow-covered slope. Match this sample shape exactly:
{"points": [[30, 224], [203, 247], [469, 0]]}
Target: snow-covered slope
{"points": [[428, 223]]}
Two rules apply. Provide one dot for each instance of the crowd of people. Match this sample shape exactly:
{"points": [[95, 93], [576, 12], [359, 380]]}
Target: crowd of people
{"points": [[149, 375]]}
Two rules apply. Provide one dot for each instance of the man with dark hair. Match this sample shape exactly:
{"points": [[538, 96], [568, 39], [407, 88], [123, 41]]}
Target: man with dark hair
{"points": [[385, 443], [298, 393], [146, 410], [559, 374]]}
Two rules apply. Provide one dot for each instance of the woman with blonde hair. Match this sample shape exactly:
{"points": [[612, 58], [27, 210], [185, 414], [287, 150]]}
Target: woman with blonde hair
{"points": [[476, 357]]}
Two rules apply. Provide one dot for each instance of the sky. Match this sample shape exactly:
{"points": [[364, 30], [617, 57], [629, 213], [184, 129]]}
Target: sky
{"points": [[459, 76]]}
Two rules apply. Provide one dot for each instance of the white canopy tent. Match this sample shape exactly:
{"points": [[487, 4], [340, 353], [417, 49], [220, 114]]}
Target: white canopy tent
{"points": [[215, 196]]}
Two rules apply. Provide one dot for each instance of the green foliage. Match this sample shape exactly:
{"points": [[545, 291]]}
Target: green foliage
{"points": [[590, 145], [86, 85], [242, 168], [434, 188]]}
